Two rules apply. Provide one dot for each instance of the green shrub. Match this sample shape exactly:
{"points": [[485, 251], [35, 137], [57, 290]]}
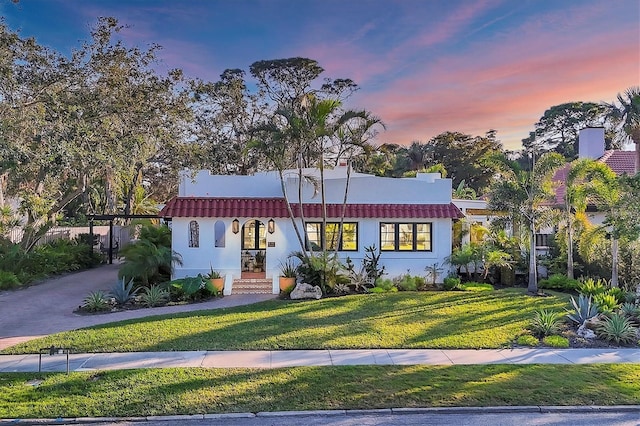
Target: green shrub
{"points": [[545, 323], [96, 301], [154, 296], [384, 284], [475, 286], [583, 309], [451, 283], [406, 283], [618, 329], [192, 288], [528, 340], [377, 290], [606, 302], [556, 341], [8, 280], [559, 282], [592, 287]]}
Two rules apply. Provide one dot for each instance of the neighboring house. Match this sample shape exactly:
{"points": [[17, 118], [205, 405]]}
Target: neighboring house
{"points": [[222, 222], [591, 145]]}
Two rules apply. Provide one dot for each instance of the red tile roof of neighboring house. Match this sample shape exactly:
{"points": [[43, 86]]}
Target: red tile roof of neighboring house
{"points": [[277, 207], [620, 162]]}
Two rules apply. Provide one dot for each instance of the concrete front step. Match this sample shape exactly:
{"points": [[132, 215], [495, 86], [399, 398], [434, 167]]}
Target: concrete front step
{"points": [[252, 286]]}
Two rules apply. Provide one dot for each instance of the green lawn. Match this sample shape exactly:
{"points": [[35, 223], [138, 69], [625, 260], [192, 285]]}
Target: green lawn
{"points": [[194, 391], [391, 320]]}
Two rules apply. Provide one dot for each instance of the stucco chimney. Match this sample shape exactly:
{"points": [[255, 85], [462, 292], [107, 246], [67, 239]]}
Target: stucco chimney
{"points": [[591, 142]]}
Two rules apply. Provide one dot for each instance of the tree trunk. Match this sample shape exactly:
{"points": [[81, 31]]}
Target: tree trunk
{"points": [[532, 287], [614, 262], [570, 247]]}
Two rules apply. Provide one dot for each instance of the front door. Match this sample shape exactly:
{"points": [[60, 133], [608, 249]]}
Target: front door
{"points": [[254, 249]]}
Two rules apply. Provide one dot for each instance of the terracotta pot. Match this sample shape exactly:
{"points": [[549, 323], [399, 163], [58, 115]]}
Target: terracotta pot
{"points": [[286, 283], [218, 283]]}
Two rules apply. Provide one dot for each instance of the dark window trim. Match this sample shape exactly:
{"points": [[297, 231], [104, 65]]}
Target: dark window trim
{"points": [[396, 230], [323, 235], [258, 224]]}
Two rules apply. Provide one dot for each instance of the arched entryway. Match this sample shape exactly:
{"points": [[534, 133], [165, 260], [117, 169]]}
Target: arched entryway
{"points": [[254, 249]]}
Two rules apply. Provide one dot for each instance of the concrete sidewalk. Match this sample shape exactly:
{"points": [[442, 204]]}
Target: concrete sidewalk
{"points": [[296, 358]]}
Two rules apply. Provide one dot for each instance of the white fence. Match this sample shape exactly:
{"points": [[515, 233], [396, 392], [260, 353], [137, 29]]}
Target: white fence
{"points": [[121, 234]]}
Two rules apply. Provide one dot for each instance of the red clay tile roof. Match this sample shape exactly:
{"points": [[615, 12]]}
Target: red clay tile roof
{"points": [[276, 207], [620, 162]]}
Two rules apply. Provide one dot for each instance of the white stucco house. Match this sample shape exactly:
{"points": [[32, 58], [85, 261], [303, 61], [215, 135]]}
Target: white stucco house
{"points": [[221, 222]]}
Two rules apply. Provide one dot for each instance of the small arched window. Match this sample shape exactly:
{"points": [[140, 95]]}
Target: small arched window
{"points": [[194, 234], [218, 230]]}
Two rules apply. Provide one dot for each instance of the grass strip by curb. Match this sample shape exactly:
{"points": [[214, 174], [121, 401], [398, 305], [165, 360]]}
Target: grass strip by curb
{"points": [[197, 391]]}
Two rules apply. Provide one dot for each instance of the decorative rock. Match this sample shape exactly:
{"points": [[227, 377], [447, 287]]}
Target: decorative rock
{"points": [[306, 291], [592, 323], [585, 332]]}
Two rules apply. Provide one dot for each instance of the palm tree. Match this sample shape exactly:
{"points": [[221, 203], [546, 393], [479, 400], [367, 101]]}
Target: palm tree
{"points": [[627, 114], [523, 195]]}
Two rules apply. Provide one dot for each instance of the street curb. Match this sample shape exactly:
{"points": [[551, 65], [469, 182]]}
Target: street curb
{"points": [[542, 409]]}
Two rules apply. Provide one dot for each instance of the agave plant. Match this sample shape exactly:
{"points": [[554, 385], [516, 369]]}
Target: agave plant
{"points": [[154, 296], [583, 309], [122, 292], [545, 323], [617, 328], [96, 301]]}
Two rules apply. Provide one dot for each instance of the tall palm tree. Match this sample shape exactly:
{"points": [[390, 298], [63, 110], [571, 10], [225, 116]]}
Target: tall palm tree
{"points": [[627, 114], [522, 195]]}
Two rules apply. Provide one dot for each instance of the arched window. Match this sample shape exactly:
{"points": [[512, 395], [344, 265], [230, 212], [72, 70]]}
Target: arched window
{"points": [[194, 234], [218, 231]]}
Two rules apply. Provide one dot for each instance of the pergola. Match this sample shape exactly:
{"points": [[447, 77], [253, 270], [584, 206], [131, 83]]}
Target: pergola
{"points": [[110, 218]]}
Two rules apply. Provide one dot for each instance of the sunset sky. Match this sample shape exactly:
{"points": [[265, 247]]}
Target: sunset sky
{"points": [[423, 66]]}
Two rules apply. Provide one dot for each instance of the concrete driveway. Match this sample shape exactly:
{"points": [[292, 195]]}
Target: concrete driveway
{"points": [[48, 307]]}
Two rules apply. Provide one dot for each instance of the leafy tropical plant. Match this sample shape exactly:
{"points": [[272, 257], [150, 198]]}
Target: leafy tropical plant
{"points": [[191, 287], [288, 270], [213, 275], [96, 301], [617, 328], [122, 293], [583, 309], [148, 262], [545, 323], [154, 296], [592, 287], [619, 294], [324, 270], [606, 302]]}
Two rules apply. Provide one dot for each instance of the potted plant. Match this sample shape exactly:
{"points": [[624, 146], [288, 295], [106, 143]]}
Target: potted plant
{"points": [[288, 275], [216, 280], [259, 258]]}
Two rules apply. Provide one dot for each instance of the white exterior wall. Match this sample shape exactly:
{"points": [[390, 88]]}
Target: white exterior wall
{"points": [[363, 189]]}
